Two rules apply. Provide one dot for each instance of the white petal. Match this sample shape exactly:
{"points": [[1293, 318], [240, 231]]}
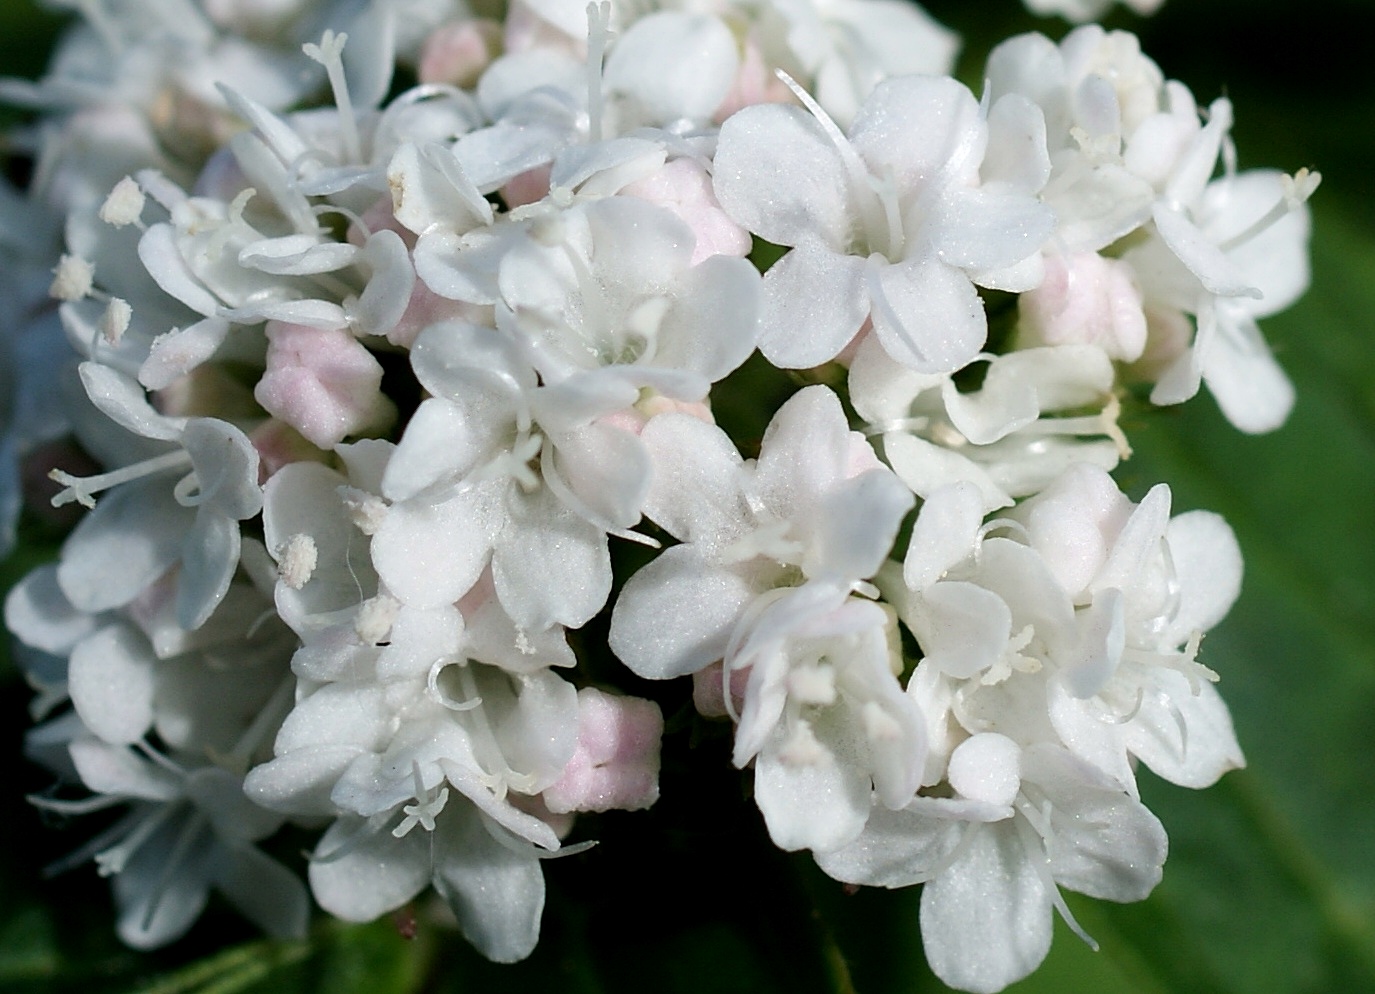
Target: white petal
{"points": [[778, 174], [927, 314], [882, 389], [445, 441], [1184, 734], [676, 614], [430, 188], [301, 498], [550, 565], [496, 893], [918, 126], [713, 326], [116, 770], [209, 557], [1218, 274], [265, 892], [821, 805], [38, 613], [126, 403], [963, 629], [896, 849], [299, 782], [429, 555], [1016, 155], [111, 680], [1207, 562], [388, 293], [807, 450], [338, 714], [925, 467], [814, 302], [986, 920], [607, 469], [1252, 389], [360, 880], [696, 491], [673, 64], [1090, 733], [371, 55], [859, 523], [982, 230], [1105, 844], [297, 255], [534, 718], [226, 465], [161, 257], [944, 534], [181, 350], [452, 358], [155, 909]]}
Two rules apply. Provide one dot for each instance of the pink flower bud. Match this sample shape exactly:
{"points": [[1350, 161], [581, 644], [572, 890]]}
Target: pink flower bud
{"points": [[1086, 299], [616, 764], [380, 217], [527, 188], [684, 187], [322, 382], [458, 52], [708, 693], [279, 444], [755, 83], [426, 308]]}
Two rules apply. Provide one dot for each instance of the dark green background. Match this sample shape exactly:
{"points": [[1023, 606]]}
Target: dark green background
{"points": [[1270, 885]]}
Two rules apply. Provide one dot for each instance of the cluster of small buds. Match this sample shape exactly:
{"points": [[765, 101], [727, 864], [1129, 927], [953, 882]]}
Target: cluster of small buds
{"points": [[382, 383]]}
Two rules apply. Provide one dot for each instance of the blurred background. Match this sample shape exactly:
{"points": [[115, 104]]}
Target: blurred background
{"points": [[1270, 884]]}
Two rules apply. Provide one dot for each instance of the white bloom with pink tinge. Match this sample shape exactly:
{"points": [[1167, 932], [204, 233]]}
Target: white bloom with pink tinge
{"points": [[323, 383], [1085, 299], [616, 764]]}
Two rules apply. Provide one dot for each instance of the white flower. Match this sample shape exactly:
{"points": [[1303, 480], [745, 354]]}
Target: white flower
{"points": [[187, 830], [493, 884], [1146, 587], [146, 525], [817, 506], [891, 224], [1230, 252], [1010, 437], [1022, 822], [824, 718]]}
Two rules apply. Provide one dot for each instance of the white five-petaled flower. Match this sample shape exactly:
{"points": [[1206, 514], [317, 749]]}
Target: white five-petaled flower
{"points": [[895, 223]]}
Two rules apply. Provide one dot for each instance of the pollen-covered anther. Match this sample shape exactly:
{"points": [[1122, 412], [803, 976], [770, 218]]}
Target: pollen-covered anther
{"points": [[375, 617], [124, 205], [297, 559], [114, 322], [812, 684], [73, 278], [366, 511]]}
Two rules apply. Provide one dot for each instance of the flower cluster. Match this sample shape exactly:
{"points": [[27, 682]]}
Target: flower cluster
{"points": [[375, 385]]}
